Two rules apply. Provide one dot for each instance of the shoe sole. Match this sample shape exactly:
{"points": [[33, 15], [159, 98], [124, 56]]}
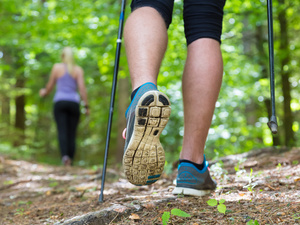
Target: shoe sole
{"points": [[190, 191], [144, 158]]}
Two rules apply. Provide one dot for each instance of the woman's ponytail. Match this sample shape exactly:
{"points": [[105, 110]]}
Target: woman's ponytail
{"points": [[68, 59]]}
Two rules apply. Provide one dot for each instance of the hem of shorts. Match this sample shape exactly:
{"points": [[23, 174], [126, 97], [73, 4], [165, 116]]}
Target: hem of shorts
{"points": [[148, 4], [203, 36]]}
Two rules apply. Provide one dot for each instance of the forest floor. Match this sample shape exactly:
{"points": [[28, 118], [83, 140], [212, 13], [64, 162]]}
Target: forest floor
{"points": [[259, 187]]}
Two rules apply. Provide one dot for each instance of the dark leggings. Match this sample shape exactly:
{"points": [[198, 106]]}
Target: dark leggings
{"points": [[202, 18], [66, 115]]}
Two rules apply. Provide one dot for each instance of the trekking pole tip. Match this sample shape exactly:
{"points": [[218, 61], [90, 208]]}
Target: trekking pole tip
{"points": [[100, 200], [273, 126]]}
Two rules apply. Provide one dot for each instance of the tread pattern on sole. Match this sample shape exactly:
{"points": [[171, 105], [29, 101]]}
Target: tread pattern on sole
{"points": [[144, 158]]}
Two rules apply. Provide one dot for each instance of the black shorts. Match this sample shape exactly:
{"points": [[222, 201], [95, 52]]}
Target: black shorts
{"points": [[202, 18]]}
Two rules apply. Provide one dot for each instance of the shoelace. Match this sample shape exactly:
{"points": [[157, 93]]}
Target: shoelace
{"points": [[124, 133]]}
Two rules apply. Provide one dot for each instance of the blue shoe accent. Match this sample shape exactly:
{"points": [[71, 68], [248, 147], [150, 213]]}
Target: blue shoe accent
{"points": [[192, 181], [155, 176], [192, 165], [144, 87], [146, 116], [151, 181]]}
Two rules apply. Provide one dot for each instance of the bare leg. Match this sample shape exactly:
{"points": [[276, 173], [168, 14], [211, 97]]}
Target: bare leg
{"points": [[146, 39], [201, 80], [201, 85], [146, 42]]}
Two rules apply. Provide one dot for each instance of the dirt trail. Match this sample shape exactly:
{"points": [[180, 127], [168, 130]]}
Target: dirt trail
{"points": [[262, 185]]}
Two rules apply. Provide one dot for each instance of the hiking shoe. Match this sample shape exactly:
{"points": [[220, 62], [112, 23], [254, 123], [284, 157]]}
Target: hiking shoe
{"points": [[147, 115], [66, 160], [192, 181]]}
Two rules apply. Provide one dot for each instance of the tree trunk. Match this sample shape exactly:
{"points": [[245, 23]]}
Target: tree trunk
{"points": [[284, 54], [5, 110], [20, 113]]}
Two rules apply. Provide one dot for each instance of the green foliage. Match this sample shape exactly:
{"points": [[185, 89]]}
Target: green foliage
{"points": [[222, 201], [295, 162], [176, 212], [19, 211], [212, 202], [24, 203], [53, 184], [250, 184], [237, 167], [8, 182], [251, 222], [39, 32], [279, 166], [165, 217], [221, 206], [296, 216]]}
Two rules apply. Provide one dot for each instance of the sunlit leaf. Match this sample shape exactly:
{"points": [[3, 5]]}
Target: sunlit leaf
{"points": [[165, 218], [251, 222], [222, 208], [134, 216], [178, 212], [222, 201], [212, 202]]}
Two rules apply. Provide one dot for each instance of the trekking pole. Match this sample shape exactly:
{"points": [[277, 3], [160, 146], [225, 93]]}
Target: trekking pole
{"points": [[113, 92], [273, 120]]}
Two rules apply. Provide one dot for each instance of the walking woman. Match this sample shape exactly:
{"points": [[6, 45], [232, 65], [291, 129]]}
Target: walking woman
{"points": [[68, 77]]}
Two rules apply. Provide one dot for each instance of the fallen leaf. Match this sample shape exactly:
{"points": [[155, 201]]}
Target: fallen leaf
{"points": [[297, 179], [120, 209], [280, 214], [149, 205], [81, 188], [134, 216], [250, 164], [84, 187]]}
